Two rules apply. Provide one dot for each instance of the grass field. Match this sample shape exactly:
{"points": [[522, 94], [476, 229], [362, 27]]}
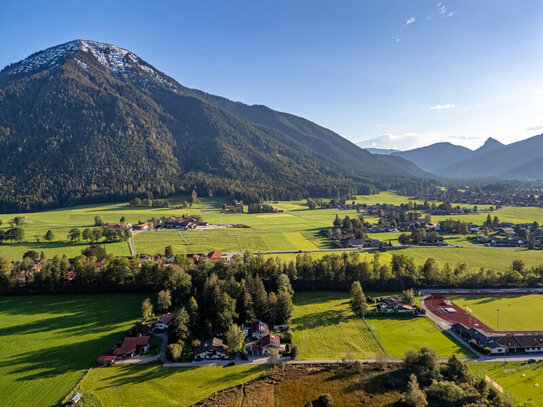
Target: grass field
{"points": [[516, 313], [48, 342], [154, 385], [324, 327], [297, 228], [397, 336], [523, 382]]}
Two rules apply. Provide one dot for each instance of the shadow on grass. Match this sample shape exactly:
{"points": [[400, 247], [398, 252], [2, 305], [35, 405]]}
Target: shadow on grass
{"points": [[319, 319], [137, 374], [56, 360]]}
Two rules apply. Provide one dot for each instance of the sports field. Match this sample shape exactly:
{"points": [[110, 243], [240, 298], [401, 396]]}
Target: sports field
{"points": [[397, 336], [516, 313], [523, 382], [324, 327], [49, 342], [154, 385]]}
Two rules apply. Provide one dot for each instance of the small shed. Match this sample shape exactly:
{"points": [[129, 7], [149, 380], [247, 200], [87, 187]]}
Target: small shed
{"points": [[106, 360]]}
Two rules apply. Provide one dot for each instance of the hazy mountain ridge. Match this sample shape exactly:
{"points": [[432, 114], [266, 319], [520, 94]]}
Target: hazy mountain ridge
{"points": [[87, 121], [519, 160]]}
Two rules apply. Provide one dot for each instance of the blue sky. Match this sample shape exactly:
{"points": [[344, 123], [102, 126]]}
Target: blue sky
{"points": [[394, 73]]}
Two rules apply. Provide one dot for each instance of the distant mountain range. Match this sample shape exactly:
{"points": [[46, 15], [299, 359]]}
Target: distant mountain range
{"points": [[86, 121], [520, 160]]}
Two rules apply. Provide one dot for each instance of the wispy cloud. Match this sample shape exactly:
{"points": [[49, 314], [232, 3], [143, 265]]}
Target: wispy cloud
{"points": [[538, 91], [410, 20], [397, 39], [536, 128], [442, 10], [407, 141], [442, 107]]}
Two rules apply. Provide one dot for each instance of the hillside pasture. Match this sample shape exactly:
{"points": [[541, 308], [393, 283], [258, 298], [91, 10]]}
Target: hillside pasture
{"points": [[49, 342]]}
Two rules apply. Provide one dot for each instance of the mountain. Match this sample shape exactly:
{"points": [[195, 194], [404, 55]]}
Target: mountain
{"points": [[520, 160], [432, 158], [86, 122], [382, 151]]}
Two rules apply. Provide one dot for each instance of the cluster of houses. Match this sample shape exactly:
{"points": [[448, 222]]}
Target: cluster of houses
{"points": [[500, 344], [137, 344], [508, 234], [259, 340]]}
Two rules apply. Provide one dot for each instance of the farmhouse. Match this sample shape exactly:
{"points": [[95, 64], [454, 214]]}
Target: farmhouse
{"points": [[215, 256], [211, 349], [391, 304], [132, 346]]}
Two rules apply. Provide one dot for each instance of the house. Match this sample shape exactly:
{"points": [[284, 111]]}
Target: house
{"points": [[213, 348], [163, 321], [507, 242], [356, 243], [474, 228], [433, 241], [132, 346], [268, 342], [512, 342], [259, 329], [106, 360], [141, 226], [280, 327], [215, 256], [391, 304]]}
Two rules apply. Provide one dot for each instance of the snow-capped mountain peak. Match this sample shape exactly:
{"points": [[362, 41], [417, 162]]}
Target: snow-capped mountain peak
{"points": [[117, 61]]}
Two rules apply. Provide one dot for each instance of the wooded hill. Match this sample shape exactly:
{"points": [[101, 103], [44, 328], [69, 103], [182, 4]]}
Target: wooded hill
{"points": [[86, 122]]}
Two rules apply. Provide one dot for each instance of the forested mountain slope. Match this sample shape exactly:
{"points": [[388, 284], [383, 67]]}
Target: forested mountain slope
{"points": [[86, 121]]}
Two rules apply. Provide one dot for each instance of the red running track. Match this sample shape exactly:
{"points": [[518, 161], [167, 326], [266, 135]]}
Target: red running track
{"points": [[436, 304]]}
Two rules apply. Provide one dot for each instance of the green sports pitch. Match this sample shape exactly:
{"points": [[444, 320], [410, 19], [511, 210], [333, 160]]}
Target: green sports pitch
{"points": [[505, 313]]}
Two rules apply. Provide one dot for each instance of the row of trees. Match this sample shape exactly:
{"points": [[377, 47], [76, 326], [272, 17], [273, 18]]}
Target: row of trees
{"points": [[331, 272]]}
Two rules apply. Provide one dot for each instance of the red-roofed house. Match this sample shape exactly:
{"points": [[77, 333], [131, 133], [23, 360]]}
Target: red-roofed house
{"points": [[270, 341], [106, 360], [163, 321], [132, 346], [259, 329], [215, 256]]}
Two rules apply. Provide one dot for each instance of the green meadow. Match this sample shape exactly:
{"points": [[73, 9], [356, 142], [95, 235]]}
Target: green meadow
{"points": [[49, 342], [521, 382], [516, 313], [324, 327], [296, 228], [154, 385]]}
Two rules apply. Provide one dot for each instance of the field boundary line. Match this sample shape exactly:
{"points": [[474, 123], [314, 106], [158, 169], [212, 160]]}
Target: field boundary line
{"points": [[75, 388], [375, 337], [184, 240]]}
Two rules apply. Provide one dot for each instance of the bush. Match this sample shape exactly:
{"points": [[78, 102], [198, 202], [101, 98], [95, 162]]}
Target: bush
{"points": [[294, 352], [174, 351]]}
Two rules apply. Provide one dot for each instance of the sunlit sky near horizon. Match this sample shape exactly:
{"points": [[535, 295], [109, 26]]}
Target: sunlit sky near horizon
{"points": [[394, 74]]}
